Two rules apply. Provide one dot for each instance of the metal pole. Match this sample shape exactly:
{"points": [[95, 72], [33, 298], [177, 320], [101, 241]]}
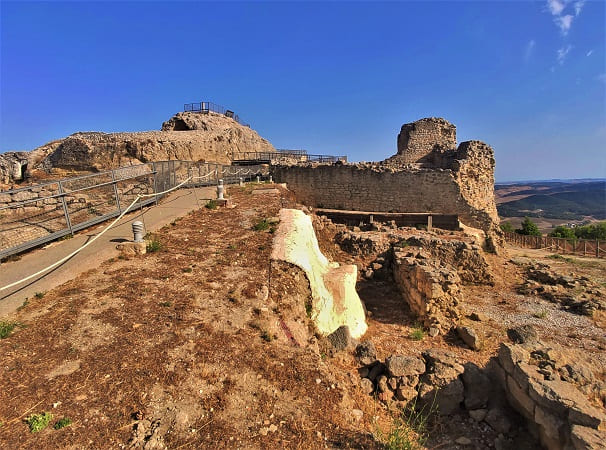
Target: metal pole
{"points": [[116, 191], [155, 171], [64, 203]]}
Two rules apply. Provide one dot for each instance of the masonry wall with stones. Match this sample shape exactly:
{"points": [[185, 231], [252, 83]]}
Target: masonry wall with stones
{"points": [[418, 140], [368, 189]]}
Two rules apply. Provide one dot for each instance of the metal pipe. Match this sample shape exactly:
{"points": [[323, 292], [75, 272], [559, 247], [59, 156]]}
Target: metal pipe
{"points": [[138, 231]]}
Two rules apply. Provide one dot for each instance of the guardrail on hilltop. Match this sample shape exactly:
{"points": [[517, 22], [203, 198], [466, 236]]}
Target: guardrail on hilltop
{"points": [[585, 247], [206, 107], [41, 213], [284, 157]]}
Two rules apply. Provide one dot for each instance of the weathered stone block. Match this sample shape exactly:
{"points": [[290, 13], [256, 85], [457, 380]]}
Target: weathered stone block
{"points": [[520, 399], [552, 426], [584, 438], [510, 355], [400, 366]]}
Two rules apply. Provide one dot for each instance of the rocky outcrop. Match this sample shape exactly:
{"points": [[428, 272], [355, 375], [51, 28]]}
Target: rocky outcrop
{"points": [[186, 136], [546, 388], [13, 166]]}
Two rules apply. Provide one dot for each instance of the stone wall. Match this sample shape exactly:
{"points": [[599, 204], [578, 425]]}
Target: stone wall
{"points": [[417, 140], [367, 189], [543, 388], [431, 290]]}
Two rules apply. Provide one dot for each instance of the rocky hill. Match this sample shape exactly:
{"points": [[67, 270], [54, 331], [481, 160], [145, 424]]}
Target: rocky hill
{"points": [[187, 136]]}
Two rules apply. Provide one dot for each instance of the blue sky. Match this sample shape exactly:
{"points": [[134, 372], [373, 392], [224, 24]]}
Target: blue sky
{"points": [[528, 78]]}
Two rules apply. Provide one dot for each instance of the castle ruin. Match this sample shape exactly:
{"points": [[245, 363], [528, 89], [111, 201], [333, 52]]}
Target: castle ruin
{"points": [[429, 174]]}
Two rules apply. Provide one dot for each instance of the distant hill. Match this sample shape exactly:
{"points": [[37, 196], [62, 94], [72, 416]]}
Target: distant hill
{"points": [[567, 200]]}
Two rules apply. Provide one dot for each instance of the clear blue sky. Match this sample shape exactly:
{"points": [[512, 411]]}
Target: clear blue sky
{"points": [[529, 78]]}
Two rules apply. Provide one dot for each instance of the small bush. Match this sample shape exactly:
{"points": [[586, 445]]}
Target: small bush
{"points": [[561, 258], [187, 270], [308, 309], [212, 204], [408, 430], [38, 422], [507, 227], [165, 304], [154, 246], [261, 226], [62, 423], [417, 333], [40, 294], [6, 328]]}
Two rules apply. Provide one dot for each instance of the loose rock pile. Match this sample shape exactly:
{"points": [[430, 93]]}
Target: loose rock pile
{"points": [[576, 294]]}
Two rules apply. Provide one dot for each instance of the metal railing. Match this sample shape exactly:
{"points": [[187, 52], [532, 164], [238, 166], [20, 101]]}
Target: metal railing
{"points": [[585, 247], [206, 107], [41, 213], [285, 157]]}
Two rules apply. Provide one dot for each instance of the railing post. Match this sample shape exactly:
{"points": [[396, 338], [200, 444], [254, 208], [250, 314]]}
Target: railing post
{"points": [[65, 211], [155, 171], [597, 248], [584, 247], [116, 191]]}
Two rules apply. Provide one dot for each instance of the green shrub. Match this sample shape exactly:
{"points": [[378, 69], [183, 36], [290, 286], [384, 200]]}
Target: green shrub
{"points": [[38, 422], [563, 232], [39, 294], [62, 423], [154, 246], [6, 328], [212, 204], [261, 226], [529, 228], [408, 430], [507, 227], [417, 333]]}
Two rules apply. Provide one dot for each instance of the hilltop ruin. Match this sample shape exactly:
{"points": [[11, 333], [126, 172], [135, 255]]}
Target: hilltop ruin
{"points": [[191, 136], [429, 174]]}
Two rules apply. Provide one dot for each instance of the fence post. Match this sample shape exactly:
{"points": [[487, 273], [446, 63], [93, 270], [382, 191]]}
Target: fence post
{"points": [[65, 211], [584, 247], [155, 171], [116, 191], [597, 248]]}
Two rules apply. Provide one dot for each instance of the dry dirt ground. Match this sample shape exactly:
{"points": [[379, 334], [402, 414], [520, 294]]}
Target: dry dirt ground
{"points": [[179, 348]]}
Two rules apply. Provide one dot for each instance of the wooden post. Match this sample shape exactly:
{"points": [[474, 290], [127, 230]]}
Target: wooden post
{"points": [[597, 248], [429, 222], [584, 247]]}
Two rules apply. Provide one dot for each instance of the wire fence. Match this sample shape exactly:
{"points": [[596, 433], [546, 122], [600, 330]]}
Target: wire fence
{"points": [[584, 247], [41, 213]]}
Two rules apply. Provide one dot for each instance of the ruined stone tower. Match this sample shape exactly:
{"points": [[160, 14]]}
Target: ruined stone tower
{"points": [[418, 140]]}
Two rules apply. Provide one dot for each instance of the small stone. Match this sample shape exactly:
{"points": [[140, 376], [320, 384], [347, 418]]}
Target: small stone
{"points": [[366, 353], [367, 386], [478, 414], [523, 334], [376, 370], [433, 331], [263, 431], [477, 317], [470, 337], [357, 414], [341, 338], [463, 441], [273, 428], [497, 419], [400, 366]]}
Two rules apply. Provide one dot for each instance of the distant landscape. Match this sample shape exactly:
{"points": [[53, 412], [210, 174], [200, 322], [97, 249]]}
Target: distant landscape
{"points": [[552, 202]]}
